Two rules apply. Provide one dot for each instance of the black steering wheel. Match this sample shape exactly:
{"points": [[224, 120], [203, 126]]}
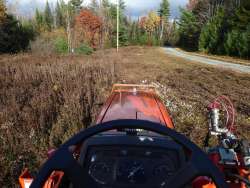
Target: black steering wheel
{"points": [[63, 159]]}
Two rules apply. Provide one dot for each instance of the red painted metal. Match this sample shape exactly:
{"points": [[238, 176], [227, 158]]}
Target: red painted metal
{"points": [[135, 102]]}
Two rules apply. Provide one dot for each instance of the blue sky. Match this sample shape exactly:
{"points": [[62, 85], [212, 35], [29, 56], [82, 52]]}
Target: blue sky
{"points": [[135, 8]]}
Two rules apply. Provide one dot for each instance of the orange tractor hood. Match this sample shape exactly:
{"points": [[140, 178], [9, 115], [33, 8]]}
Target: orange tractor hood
{"points": [[134, 102]]}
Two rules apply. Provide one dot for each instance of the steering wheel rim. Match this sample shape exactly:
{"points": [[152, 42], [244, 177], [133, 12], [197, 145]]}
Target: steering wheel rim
{"points": [[199, 165]]}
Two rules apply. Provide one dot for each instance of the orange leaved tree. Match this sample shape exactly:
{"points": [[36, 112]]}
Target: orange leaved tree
{"points": [[88, 27]]}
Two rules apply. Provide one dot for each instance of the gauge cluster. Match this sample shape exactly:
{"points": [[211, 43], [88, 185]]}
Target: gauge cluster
{"points": [[101, 172], [133, 167]]}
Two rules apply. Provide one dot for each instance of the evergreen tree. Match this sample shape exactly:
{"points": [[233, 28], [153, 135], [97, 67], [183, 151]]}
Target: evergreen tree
{"points": [[123, 36], [113, 11], [164, 11], [243, 24], [123, 29], [213, 34], [242, 16], [39, 20], [164, 14], [63, 12], [189, 30], [244, 46], [48, 17], [231, 44], [122, 6], [237, 41], [59, 15], [14, 37]]}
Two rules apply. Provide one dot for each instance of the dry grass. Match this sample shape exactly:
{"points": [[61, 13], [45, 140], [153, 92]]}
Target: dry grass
{"points": [[187, 88], [45, 100]]}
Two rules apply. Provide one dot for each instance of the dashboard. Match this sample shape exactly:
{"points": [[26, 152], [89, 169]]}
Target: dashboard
{"points": [[149, 162]]}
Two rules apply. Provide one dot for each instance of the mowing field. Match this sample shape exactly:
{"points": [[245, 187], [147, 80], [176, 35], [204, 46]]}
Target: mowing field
{"points": [[45, 100]]}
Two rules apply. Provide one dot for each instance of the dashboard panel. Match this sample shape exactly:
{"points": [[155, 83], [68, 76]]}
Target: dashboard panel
{"points": [[144, 164]]}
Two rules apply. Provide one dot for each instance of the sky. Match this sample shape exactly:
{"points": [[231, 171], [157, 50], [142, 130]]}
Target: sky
{"points": [[135, 8]]}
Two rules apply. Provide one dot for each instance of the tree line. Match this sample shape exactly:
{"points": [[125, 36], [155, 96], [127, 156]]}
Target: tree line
{"points": [[216, 26], [211, 26], [94, 25], [72, 27]]}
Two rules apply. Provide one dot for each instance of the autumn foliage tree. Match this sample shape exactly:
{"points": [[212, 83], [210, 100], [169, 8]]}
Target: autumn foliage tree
{"points": [[150, 24], [2, 11], [88, 27]]}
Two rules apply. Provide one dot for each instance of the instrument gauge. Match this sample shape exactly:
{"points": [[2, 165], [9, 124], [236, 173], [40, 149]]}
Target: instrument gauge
{"points": [[162, 173], [101, 172], [131, 172]]}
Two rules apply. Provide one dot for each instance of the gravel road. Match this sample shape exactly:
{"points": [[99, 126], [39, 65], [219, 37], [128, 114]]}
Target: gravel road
{"points": [[204, 60]]}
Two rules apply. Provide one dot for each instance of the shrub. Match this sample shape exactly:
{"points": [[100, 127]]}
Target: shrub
{"points": [[61, 45], [84, 49], [42, 46], [143, 39], [156, 41], [50, 42]]}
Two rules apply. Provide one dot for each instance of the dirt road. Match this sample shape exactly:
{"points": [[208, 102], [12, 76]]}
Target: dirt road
{"points": [[204, 60]]}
